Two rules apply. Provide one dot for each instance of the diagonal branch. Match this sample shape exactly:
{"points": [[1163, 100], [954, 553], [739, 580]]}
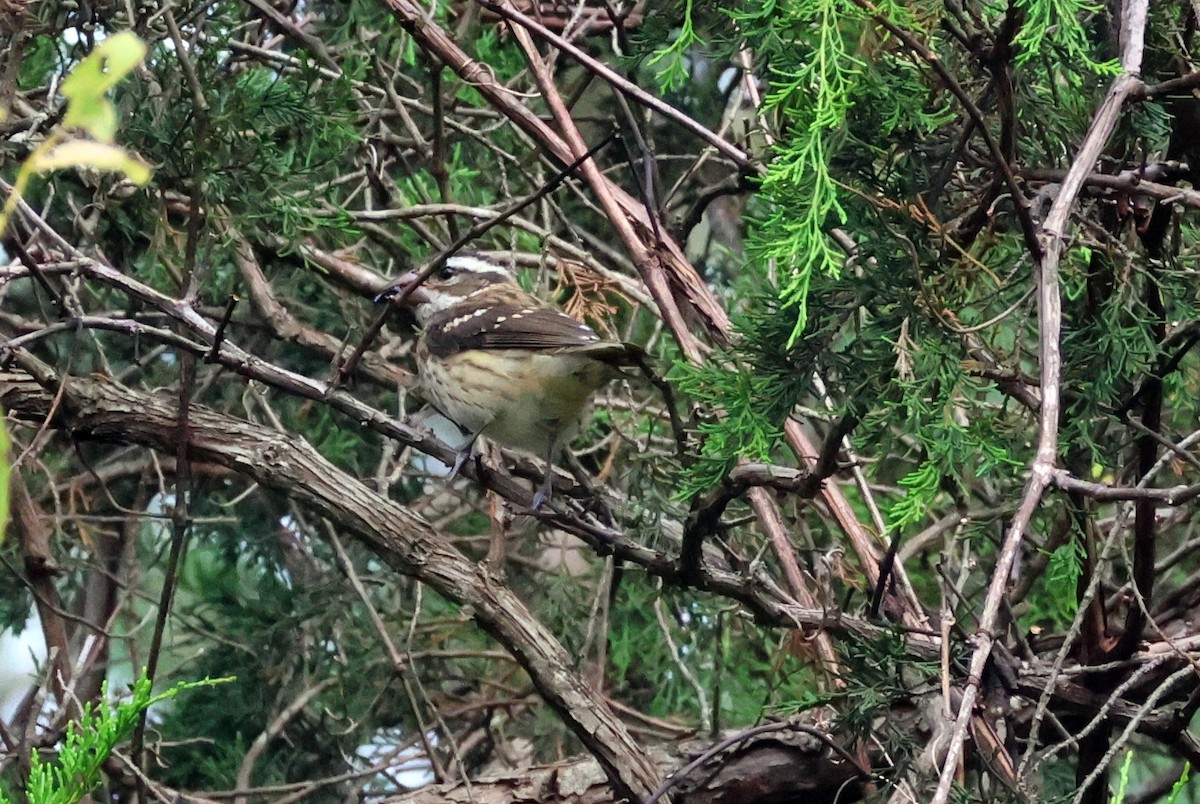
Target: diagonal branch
{"points": [[645, 257], [622, 85], [408, 544], [685, 287], [1052, 237]]}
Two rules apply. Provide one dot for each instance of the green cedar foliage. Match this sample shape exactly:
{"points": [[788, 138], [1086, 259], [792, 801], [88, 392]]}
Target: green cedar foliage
{"points": [[90, 740], [863, 137]]}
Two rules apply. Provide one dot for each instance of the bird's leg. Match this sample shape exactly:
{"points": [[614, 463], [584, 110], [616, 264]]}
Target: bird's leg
{"points": [[460, 457], [460, 460], [593, 499], [544, 493]]}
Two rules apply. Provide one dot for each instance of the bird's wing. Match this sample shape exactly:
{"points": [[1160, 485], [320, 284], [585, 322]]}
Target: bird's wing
{"points": [[505, 326]]}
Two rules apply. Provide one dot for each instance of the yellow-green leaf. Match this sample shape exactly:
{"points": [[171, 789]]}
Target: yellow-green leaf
{"points": [[98, 155], [87, 84]]}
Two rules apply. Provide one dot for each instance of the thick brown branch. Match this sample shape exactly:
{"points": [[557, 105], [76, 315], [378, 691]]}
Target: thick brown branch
{"points": [[98, 410]]}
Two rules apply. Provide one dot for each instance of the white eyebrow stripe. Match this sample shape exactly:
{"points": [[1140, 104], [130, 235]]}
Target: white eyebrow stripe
{"points": [[477, 265]]}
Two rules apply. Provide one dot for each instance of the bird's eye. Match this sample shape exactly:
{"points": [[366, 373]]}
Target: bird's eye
{"points": [[447, 271]]}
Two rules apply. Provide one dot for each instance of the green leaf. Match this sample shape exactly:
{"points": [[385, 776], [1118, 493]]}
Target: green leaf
{"points": [[90, 741], [85, 87], [812, 96], [87, 153], [1123, 779], [88, 109], [1058, 22], [673, 72], [1180, 784]]}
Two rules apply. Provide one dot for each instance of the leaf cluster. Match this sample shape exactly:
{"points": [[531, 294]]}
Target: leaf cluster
{"points": [[90, 740]]}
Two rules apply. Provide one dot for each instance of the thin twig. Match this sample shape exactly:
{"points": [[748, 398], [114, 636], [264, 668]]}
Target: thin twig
{"points": [[439, 259], [625, 87], [1052, 237], [698, 762]]}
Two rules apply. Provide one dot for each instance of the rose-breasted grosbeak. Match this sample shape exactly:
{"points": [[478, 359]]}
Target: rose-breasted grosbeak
{"points": [[500, 362]]}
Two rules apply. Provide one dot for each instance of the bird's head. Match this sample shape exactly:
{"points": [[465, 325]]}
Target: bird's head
{"points": [[460, 278]]}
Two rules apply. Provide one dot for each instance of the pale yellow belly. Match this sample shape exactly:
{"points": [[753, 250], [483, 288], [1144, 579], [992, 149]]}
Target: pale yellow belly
{"points": [[522, 400]]}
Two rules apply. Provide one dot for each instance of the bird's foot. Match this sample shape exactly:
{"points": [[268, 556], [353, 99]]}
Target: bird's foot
{"points": [[541, 498], [546, 490], [460, 460]]}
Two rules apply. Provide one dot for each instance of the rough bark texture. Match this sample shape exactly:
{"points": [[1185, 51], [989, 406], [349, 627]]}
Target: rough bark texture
{"points": [[105, 411], [768, 768]]}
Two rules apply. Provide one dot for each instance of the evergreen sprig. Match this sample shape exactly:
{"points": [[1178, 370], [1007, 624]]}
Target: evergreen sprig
{"points": [[811, 92], [89, 741], [1059, 23]]}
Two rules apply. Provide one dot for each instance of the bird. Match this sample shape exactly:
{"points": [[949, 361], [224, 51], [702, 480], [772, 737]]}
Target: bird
{"points": [[502, 363]]}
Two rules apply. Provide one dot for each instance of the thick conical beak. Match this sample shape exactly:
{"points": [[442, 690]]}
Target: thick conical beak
{"points": [[404, 290]]}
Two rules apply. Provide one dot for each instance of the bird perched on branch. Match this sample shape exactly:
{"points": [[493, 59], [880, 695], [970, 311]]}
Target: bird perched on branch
{"points": [[502, 363]]}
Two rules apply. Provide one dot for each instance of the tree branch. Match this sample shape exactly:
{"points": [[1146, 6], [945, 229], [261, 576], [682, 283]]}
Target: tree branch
{"points": [[407, 543], [1052, 237]]}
